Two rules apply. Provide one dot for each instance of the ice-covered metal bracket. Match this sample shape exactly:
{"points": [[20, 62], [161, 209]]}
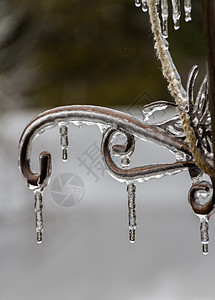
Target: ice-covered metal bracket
{"points": [[168, 134], [189, 134]]}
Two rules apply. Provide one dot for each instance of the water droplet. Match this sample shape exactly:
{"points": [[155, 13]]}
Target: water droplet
{"points": [[137, 3]]}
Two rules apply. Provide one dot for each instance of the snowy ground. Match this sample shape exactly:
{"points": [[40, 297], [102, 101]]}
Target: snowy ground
{"points": [[85, 254]]}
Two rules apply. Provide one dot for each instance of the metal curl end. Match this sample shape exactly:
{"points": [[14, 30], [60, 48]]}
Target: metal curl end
{"points": [[197, 190], [45, 169]]}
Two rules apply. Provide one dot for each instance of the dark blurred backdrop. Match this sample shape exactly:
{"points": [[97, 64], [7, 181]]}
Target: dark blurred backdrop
{"points": [[59, 52]]}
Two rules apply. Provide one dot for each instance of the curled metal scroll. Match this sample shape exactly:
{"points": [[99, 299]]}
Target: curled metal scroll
{"points": [[110, 118]]}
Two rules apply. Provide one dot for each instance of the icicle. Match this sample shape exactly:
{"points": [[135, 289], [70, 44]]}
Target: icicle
{"points": [[144, 5], [187, 9], [131, 189], [164, 15], [204, 228], [64, 140], [38, 206], [137, 3], [176, 13]]}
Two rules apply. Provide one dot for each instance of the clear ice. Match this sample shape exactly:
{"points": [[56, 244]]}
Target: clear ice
{"points": [[144, 5], [138, 3], [64, 140], [176, 13], [164, 16], [164, 8], [38, 206], [187, 10], [204, 229], [131, 189]]}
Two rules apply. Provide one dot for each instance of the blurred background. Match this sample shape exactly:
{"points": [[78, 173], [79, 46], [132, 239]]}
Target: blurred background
{"points": [[60, 52]]}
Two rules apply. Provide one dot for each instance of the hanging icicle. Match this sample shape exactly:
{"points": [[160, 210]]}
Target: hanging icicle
{"points": [[176, 13], [38, 206], [164, 15], [204, 231], [64, 140], [163, 7], [131, 189], [187, 10]]}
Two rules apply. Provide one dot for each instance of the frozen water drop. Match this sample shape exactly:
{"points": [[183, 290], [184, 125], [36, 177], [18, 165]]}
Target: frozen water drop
{"points": [[125, 161], [205, 249], [137, 3], [176, 24], [144, 6], [132, 235], [79, 124], [64, 155], [187, 9], [39, 237], [102, 127]]}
